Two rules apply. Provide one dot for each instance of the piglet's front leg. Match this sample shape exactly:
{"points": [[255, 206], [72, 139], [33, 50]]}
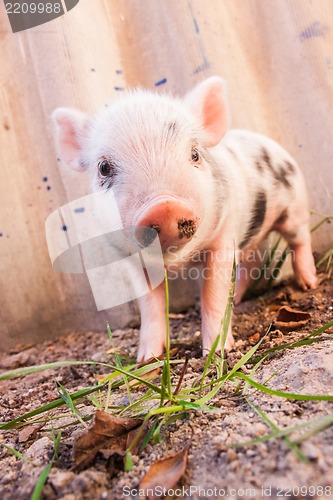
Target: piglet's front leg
{"points": [[153, 323], [214, 296]]}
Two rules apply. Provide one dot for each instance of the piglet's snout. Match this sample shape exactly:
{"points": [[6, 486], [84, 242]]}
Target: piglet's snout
{"points": [[174, 221]]}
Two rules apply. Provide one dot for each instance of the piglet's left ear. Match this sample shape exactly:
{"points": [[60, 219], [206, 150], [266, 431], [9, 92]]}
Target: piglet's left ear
{"points": [[207, 102]]}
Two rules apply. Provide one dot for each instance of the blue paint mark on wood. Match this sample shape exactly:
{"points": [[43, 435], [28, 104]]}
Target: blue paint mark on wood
{"points": [[196, 26], [160, 82], [79, 210], [315, 29], [202, 67]]}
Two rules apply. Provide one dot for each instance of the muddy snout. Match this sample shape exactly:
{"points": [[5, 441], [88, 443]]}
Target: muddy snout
{"points": [[174, 220]]}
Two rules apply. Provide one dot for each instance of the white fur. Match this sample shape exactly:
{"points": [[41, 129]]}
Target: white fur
{"points": [[149, 138]]}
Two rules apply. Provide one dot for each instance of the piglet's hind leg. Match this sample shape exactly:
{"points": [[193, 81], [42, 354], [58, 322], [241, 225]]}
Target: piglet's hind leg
{"points": [[299, 241]]}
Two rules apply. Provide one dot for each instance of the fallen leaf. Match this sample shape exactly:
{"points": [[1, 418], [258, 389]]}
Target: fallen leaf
{"points": [[165, 473], [290, 319], [108, 434], [28, 432], [254, 338]]}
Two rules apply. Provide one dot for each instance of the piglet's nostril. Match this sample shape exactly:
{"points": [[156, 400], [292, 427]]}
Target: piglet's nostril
{"points": [[156, 227], [145, 235], [186, 228]]}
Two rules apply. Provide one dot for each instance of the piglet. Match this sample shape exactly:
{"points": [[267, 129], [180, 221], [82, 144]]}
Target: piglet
{"points": [[174, 165]]}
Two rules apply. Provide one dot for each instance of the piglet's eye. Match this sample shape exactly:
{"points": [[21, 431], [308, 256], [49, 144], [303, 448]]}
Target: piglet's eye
{"points": [[195, 155], [105, 167]]}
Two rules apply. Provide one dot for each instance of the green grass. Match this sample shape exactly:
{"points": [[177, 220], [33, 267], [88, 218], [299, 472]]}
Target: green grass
{"points": [[169, 396], [38, 490]]}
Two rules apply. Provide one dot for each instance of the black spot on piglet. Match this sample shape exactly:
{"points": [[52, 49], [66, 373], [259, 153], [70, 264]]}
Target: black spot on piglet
{"points": [[281, 172], [281, 219], [257, 218]]}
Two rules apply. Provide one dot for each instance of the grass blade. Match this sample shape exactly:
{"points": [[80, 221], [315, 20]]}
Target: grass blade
{"points": [[281, 394], [119, 364], [245, 358], [209, 360], [37, 493], [320, 423], [291, 345], [225, 324], [14, 452], [167, 338], [21, 372], [293, 446], [12, 424], [64, 394]]}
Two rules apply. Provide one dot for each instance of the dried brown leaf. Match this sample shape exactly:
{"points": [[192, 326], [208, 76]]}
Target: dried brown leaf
{"points": [[28, 432], [106, 433], [289, 319], [165, 473]]}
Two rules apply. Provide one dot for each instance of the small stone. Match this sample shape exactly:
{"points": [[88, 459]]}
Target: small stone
{"points": [[98, 356], [39, 450], [259, 429], [60, 479], [10, 476], [234, 466], [17, 360], [311, 451], [231, 455]]}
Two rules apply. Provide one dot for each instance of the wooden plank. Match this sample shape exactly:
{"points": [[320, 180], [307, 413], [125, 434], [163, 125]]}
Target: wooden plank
{"points": [[275, 55]]}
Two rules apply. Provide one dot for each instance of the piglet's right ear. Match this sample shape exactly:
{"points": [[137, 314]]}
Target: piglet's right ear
{"points": [[207, 101], [70, 127]]}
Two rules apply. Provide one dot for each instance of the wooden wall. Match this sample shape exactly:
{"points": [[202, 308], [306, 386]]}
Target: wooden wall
{"points": [[277, 57]]}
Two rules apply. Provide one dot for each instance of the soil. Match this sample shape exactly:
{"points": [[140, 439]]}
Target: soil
{"points": [[214, 469]]}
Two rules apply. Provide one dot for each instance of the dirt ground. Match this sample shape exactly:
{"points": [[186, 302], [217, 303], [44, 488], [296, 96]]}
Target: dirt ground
{"points": [[269, 469]]}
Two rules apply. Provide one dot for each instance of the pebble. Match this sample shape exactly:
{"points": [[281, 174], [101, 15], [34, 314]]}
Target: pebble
{"points": [[10, 476], [259, 429], [17, 360], [39, 450], [231, 455], [311, 451], [98, 356], [60, 479]]}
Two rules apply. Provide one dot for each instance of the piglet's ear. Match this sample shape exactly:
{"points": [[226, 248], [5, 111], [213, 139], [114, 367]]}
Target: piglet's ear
{"points": [[207, 102], [70, 126]]}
